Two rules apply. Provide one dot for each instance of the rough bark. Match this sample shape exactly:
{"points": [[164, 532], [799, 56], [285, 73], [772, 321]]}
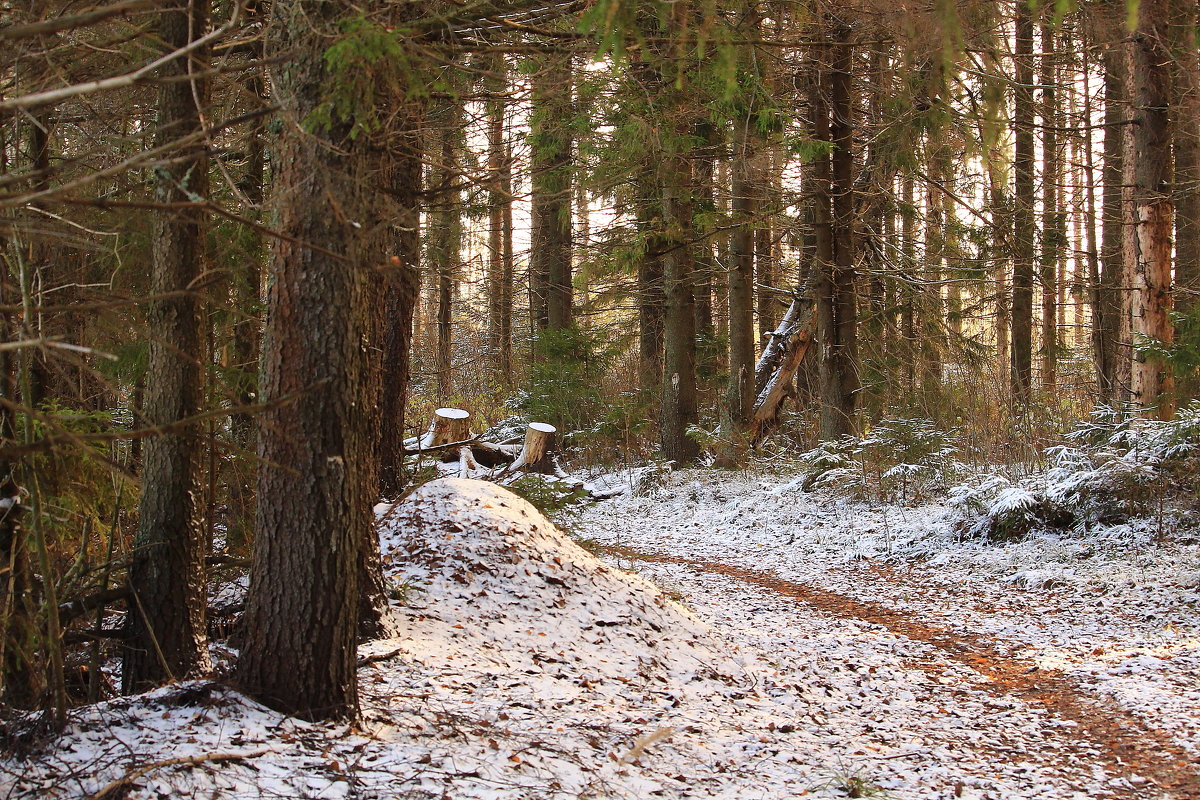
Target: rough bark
{"points": [[167, 634], [313, 515], [650, 287], [1149, 80], [445, 236]]}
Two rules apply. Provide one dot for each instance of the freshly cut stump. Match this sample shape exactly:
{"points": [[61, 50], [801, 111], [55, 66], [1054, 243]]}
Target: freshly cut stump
{"points": [[449, 425]]}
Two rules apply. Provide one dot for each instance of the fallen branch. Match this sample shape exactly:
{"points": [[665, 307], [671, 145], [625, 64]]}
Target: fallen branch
{"points": [[112, 790]]}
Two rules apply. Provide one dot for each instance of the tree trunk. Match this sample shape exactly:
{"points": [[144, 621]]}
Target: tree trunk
{"points": [[166, 624], [650, 287], [1186, 141], [550, 165], [247, 331], [1111, 356], [402, 292], [445, 237], [313, 516], [837, 302], [499, 301], [1149, 81], [1054, 220], [1021, 371], [678, 408], [740, 392]]}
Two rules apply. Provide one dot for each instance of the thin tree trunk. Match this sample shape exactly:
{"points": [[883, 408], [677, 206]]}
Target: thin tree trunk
{"points": [[166, 625], [550, 164], [650, 289], [1021, 372], [837, 303], [402, 292], [1053, 219], [740, 392], [1110, 322], [499, 202], [445, 238]]}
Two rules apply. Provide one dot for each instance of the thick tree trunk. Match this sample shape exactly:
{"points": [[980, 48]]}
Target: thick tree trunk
{"points": [[301, 615], [1149, 81], [166, 624], [1021, 365]]}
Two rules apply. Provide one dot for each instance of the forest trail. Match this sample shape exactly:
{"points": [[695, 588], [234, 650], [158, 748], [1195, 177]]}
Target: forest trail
{"points": [[1121, 742]]}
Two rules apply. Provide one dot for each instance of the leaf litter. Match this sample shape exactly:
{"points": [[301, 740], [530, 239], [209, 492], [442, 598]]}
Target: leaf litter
{"points": [[529, 668]]}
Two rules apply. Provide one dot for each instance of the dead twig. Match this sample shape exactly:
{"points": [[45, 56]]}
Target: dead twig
{"points": [[112, 789]]}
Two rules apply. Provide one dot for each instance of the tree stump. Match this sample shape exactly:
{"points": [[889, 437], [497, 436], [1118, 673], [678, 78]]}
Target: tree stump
{"points": [[535, 454], [449, 425]]}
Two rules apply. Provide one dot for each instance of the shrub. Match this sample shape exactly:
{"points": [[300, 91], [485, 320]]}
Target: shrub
{"points": [[898, 458]]}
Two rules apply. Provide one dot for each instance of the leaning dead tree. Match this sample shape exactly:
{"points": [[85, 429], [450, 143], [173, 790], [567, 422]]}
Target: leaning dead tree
{"points": [[775, 372]]}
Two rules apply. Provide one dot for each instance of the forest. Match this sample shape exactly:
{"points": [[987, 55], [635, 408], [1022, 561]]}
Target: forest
{"points": [[342, 342]]}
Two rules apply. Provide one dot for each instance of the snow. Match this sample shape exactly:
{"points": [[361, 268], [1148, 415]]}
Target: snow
{"points": [[528, 667]]}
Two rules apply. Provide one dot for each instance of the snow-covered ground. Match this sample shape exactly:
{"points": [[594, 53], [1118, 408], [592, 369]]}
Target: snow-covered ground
{"points": [[791, 644]]}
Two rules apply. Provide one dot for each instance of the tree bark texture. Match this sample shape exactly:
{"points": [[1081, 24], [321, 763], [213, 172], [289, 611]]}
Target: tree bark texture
{"points": [[499, 208], [1149, 79], [678, 408], [1185, 61], [314, 511], [166, 623]]}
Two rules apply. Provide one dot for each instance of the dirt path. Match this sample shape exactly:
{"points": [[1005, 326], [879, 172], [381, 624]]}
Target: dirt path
{"points": [[1126, 744]]}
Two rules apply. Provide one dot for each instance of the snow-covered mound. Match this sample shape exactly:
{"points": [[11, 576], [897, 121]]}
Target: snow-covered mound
{"points": [[487, 564]]}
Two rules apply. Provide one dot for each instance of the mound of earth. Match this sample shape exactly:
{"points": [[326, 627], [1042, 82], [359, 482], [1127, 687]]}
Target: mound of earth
{"points": [[496, 574]]}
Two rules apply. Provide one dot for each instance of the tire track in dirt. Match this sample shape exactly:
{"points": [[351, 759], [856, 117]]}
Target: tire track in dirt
{"points": [[1126, 744]]}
